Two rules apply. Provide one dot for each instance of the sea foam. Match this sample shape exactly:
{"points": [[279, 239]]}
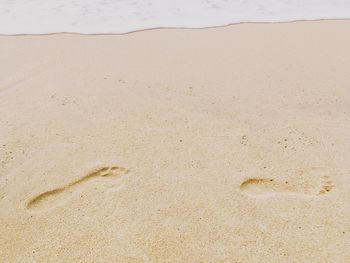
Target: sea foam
{"points": [[122, 16]]}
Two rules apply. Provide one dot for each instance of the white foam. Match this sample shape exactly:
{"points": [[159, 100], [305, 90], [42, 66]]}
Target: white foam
{"points": [[121, 16]]}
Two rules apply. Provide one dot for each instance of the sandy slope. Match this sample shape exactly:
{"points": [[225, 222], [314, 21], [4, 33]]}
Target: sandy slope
{"points": [[216, 145]]}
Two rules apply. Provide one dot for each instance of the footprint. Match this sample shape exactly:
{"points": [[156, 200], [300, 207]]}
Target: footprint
{"points": [[327, 185], [52, 197], [266, 187]]}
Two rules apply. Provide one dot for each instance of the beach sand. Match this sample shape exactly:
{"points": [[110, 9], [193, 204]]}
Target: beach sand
{"points": [[227, 144]]}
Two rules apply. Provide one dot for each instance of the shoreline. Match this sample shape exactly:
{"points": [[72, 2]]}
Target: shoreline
{"points": [[180, 28]]}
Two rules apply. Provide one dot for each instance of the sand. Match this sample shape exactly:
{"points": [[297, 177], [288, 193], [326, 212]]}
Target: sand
{"points": [[228, 144]]}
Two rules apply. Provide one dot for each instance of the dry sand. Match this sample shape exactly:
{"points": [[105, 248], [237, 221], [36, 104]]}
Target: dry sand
{"points": [[217, 145]]}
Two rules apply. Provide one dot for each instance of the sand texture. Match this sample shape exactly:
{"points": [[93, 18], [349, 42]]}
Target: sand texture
{"points": [[228, 144]]}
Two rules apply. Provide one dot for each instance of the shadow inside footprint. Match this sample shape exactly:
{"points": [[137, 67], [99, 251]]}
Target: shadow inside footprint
{"points": [[263, 186], [49, 197]]}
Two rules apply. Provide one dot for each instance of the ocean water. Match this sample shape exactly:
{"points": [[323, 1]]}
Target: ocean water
{"points": [[122, 16]]}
